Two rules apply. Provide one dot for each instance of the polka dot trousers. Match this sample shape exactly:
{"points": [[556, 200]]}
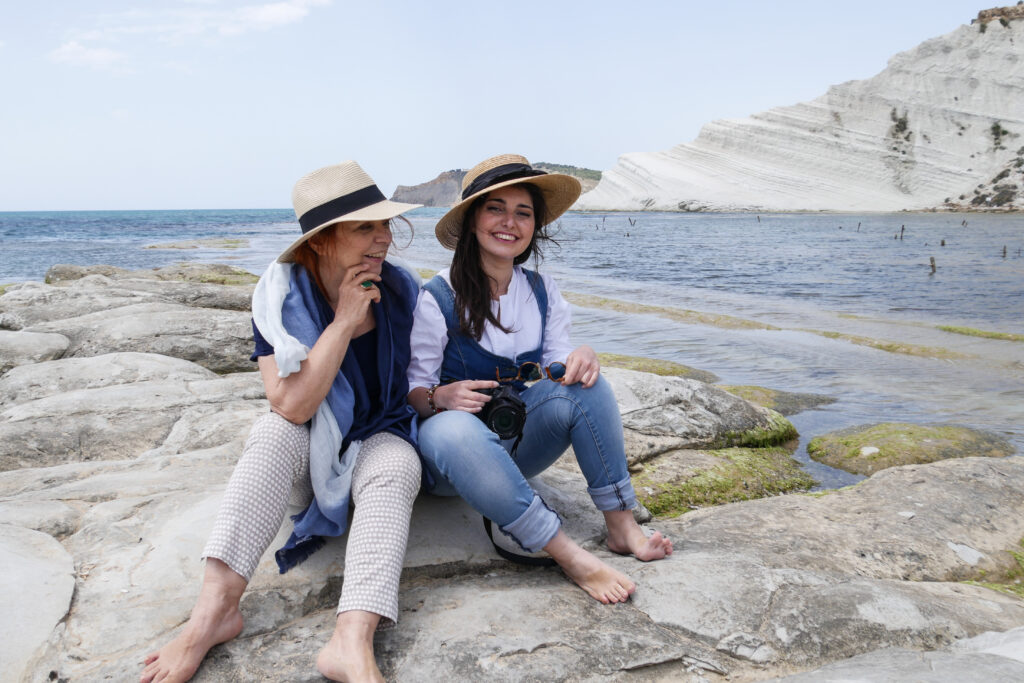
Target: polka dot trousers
{"points": [[274, 470]]}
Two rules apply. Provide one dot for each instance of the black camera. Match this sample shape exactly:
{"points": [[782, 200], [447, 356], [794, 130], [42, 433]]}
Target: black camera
{"points": [[505, 413]]}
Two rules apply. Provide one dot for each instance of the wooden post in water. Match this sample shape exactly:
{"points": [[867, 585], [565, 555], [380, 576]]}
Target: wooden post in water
{"points": [[902, 227], [932, 259], [943, 243], [1004, 251]]}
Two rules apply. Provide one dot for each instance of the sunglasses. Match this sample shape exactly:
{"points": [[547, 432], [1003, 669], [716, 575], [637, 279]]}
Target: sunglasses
{"points": [[530, 372]]}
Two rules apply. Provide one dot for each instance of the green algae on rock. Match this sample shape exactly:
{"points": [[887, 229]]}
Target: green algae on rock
{"points": [[209, 273], [866, 449], [972, 332], [205, 243], [655, 366], [679, 481], [778, 431], [1011, 582], [894, 347], [784, 402], [678, 314]]}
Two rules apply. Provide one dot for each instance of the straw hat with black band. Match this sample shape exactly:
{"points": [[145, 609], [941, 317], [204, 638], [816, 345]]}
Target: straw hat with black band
{"points": [[560, 191], [335, 194]]}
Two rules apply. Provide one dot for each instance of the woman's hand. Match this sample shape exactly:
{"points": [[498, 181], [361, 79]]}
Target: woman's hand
{"points": [[463, 395], [582, 366], [353, 300]]}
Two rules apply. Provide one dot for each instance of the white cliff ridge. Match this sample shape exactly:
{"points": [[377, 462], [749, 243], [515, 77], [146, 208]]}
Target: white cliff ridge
{"points": [[942, 120]]}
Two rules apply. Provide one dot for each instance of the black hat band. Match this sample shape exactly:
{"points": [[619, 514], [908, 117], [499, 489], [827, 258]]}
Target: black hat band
{"points": [[500, 174], [345, 204]]}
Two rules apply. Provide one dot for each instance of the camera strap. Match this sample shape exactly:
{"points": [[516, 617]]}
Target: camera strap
{"points": [[530, 560]]}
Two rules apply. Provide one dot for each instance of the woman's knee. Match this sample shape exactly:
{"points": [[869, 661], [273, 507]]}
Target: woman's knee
{"points": [[388, 461], [455, 434], [276, 438], [596, 399]]}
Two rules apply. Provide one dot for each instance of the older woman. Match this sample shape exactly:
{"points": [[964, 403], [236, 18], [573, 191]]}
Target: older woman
{"points": [[487, 322], [332, 321]]}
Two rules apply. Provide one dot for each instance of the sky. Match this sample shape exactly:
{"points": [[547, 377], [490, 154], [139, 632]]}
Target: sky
{"points": [[203, 104]]}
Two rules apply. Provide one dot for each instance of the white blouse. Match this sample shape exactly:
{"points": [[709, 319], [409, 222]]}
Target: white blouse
{"points": [[516, 310]]}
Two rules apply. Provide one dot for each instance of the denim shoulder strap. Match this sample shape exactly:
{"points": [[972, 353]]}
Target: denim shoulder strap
{"points": [[445, 298], [540, 293]]}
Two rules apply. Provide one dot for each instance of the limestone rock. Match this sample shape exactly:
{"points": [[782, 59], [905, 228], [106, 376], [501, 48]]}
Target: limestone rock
{"points": [[216, 339], [942, 120], [39, 380], [37, 585], [692, 414], [20, 348], [988, 657], [36, 302], [739, 595], [127, 420], [116, 463], [866, 449]]}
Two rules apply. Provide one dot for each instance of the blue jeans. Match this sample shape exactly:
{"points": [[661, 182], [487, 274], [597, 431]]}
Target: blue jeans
{"points": [[465, 458]]}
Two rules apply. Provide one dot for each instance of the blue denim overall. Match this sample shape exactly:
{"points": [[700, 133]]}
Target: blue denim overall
{"points": [[465, 458]]}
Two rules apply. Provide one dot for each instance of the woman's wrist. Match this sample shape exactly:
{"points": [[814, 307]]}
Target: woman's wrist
{"points": [[431, 402]]}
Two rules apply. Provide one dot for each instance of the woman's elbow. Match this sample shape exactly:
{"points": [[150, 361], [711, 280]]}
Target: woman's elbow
{"points": [[293, 412]]}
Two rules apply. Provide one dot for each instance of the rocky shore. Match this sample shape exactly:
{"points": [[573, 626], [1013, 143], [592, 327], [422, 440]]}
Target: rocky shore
{"points": [[125, 398]]}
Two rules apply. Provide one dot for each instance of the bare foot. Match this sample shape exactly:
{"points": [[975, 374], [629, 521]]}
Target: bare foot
{"points": [[178, 660], [215, 619], [601, 582], [348, 656], [625, 537]]}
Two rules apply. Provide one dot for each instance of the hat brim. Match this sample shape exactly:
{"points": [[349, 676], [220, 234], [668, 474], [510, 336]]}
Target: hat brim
{"points": [[381, 211], [560, 192]]}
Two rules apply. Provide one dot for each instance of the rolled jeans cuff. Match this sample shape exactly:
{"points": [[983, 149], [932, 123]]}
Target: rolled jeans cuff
{"points": [[535, 528], [617, 496]]}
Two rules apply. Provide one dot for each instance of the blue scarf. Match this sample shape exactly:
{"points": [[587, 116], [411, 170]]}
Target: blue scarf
{"points": [[305, 316]]}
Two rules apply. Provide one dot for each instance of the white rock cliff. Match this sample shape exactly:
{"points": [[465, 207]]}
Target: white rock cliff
{"points": [[941, 121]]}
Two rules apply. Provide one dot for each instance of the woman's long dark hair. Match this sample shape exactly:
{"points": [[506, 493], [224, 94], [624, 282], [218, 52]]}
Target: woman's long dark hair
{"points": [[471, 284]]}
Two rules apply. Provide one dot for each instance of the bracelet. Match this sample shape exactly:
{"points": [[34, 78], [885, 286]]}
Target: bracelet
{"points": [[430, 400]]}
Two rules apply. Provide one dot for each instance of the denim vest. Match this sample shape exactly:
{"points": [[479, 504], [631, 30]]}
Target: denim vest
{"points": [[464, 358]]}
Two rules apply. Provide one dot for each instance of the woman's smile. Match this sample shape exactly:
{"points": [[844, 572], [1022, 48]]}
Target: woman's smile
{"points": [[505, 223]]}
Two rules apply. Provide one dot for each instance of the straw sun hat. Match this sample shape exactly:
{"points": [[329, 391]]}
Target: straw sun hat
{"points": [[560, 191], [333, 194]]}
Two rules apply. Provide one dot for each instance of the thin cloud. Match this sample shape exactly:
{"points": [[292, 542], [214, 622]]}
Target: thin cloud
{"points": [[76, 54], [176, 26], [267, 16]]}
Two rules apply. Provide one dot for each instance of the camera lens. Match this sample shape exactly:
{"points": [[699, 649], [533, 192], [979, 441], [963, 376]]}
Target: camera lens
{"points": [[504, 421], [505, 413]]}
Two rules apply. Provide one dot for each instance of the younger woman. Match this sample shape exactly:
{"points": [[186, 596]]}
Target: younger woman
{"points": [[487, 319]]}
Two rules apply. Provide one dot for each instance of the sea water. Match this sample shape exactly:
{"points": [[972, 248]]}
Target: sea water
{"points": [[866, 280]]}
